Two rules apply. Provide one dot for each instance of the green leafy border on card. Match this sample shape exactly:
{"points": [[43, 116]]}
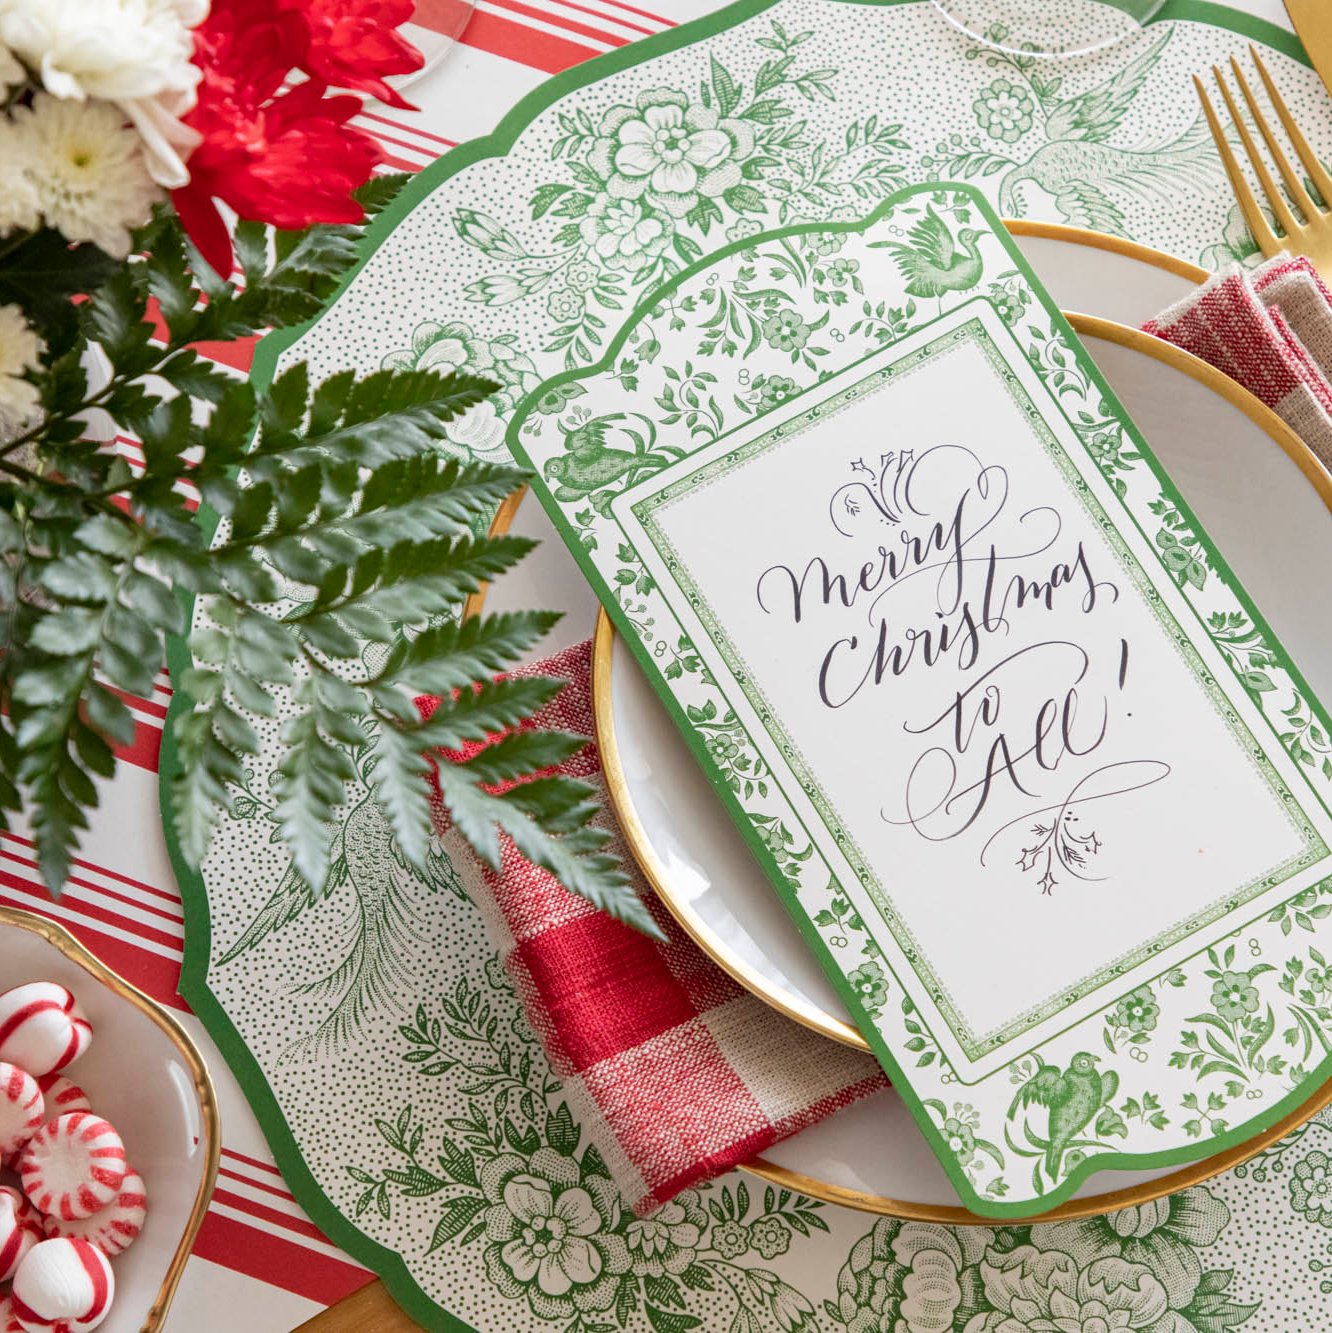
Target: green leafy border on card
{"points": [[194, 988], [970, 1197]]}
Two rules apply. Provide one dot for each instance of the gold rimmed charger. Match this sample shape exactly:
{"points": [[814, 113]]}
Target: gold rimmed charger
{"points": [[805, 1011]]}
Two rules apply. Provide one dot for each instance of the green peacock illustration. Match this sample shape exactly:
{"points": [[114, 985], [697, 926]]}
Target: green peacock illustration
{"points": [[1073, 1097], [1081, 170], [590, 463], [934, 263], [374, 885]]}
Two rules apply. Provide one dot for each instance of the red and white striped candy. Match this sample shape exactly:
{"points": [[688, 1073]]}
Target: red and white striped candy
{"points": [[22, 1108], [16, 1239], [72, 1166], [113, 1228], [42, 1027], [61, 1095], [63, 1286], [8, 1319], [27, 1214]]}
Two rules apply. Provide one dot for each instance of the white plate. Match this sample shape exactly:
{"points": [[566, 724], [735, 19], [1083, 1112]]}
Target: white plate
{"points": [[146, 1077], [1265, 515]]}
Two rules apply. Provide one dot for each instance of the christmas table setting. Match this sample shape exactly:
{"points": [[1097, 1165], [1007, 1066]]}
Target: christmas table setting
{"points": [[613, 1004]]}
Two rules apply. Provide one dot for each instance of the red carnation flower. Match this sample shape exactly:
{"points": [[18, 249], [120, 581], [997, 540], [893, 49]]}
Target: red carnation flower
{"points": [[292, 162], [355, 44], [287, 159]]}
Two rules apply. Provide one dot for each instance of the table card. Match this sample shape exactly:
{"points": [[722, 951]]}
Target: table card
{"points": [[1005, 734]]}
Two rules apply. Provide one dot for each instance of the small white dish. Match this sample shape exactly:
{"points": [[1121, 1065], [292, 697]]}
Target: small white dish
{"points": [[143, 1074]]}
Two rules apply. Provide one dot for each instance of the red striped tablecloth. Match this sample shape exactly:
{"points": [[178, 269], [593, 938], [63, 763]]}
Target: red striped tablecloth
{"points": [[259, 1263]]}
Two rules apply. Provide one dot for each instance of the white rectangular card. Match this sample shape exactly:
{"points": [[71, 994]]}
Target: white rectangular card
{"points": [[917, 551]]}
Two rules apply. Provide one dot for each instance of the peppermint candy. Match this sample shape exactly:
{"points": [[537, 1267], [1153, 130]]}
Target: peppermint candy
{"points": [[61, 1094], [63, 1286], [42, 1027], [8, 1320], [72, 1166], [22, 1108], [113, 1228], [27, 1214], [16, 1239]]}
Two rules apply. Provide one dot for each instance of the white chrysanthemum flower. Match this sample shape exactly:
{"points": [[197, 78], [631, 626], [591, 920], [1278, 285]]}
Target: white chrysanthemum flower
{"points": [[135, 53], [88, 170], [18, 195], [19, 349]]}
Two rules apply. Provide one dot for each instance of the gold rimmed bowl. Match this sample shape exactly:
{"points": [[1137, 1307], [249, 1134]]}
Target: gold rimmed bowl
{"points": [[147, 1077]]}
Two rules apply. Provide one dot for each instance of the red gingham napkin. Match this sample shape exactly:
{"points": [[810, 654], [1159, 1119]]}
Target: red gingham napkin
{"points": [[678, 1072], [1269, 328]]}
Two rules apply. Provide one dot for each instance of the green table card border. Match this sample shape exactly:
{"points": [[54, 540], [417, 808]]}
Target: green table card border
{"points": [[1100, 1161]]}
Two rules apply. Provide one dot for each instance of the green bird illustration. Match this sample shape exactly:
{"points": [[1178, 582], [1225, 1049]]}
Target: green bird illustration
{"points": [[934, 263], [591, 464], [372, 887], [1073, 1098], [1082, 170]]}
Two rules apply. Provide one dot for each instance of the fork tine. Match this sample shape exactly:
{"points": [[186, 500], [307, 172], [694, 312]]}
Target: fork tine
{"points": [[1276, 200], [1317, 173], [1294, 185], [1263, 235]]}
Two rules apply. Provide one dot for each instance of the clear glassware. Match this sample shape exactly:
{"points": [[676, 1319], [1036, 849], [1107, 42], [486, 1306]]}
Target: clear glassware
{"points": [[433, 29], [1048, 27]]}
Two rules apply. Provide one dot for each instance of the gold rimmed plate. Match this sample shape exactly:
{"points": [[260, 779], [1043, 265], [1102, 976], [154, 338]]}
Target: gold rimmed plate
{"points": [[145, 1075], [1265, 499]]}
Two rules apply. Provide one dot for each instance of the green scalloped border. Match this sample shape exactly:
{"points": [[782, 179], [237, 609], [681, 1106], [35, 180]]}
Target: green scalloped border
{"points": [[194, 988]]}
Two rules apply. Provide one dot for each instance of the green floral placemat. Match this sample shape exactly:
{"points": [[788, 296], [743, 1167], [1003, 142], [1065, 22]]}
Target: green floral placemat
{"points": [[411, 1112]]}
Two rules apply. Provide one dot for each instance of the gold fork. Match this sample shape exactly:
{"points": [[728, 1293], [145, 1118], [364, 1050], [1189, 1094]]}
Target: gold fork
{"points": [[1309, 233]]}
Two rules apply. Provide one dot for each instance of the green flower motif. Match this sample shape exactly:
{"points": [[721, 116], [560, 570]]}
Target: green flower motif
{"points": [[564, 305], [1164, 1237], [1050, 1292], [1311, 1187], [1007, 299], [773, 839], [622, 233], [841, 270], [773, 390], [1138, 1011], [669, 151], [667, 1241], [549, 1235], [824, 243], [913, 1275], [869, 982], [770, 1236], [961, 1141], [1004, 111], [730, 1239], [1104, 445], [581, 275], [1234, 996], [722, 748], [1316, 980], [553, 401], [743, 228], [454, 345], [786, 331]]}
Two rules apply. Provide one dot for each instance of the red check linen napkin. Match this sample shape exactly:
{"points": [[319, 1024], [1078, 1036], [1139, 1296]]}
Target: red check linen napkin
{"points": [[1270, 329], [679, 1074]]}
